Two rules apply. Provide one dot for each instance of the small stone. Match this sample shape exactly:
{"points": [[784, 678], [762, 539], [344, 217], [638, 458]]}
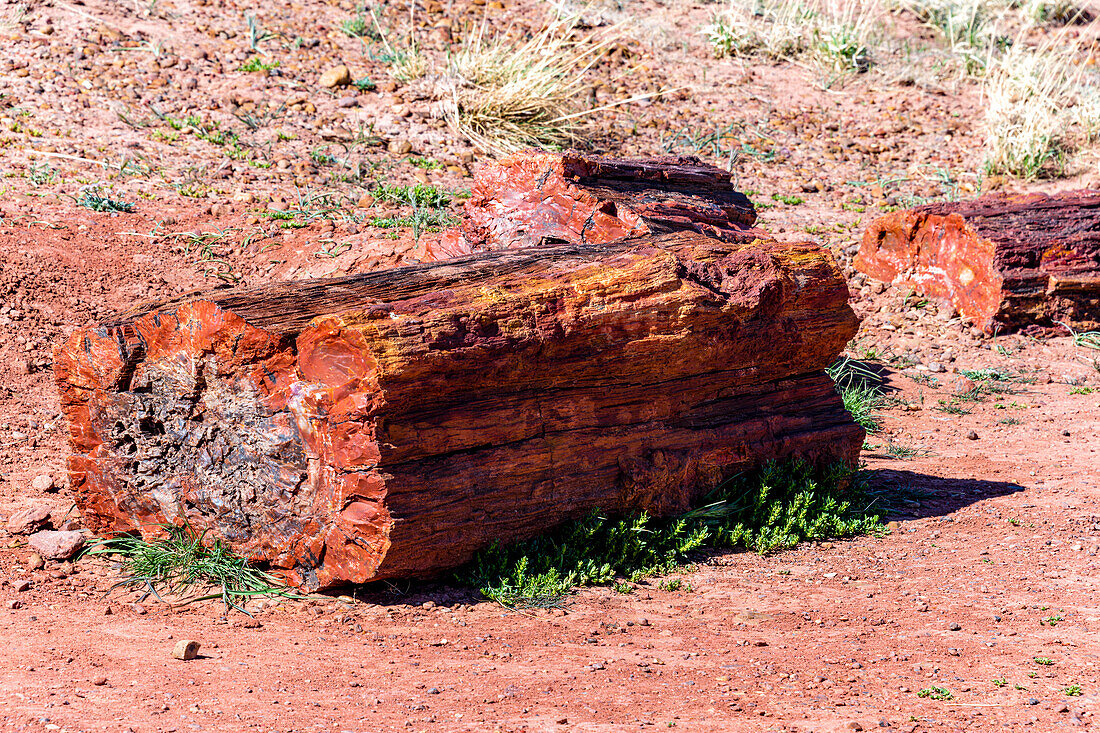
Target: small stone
{"points": [[14, 605], [30, 519], [400, 147], [99, 681], [953, 626], [186, 649], [43, 482], [936, 368], [854, 725], [972, 435], [35, 561], [365, 201], [337, 76], [1032, 701], [1063, 708], [138, 609], [57, 545], [348, 102], [760, 642], [21, 585]]}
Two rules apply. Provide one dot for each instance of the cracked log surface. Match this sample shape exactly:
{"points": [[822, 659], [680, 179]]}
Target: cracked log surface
{"points": [[1004, 261], [530, 198], [392, 423]]}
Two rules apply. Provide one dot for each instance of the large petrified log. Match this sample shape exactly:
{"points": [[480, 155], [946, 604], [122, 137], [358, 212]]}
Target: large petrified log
{"points": [[530, 199], [1004, 261], [392, 423]]}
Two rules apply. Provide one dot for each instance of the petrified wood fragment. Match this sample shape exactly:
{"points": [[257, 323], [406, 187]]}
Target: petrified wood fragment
{"points": [[1004, 261], [392, 423], [555, 198]]}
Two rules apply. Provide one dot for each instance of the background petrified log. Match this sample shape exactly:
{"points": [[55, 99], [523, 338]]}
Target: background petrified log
{"points": [[554, 198], [392, 423], [1004, 261]]}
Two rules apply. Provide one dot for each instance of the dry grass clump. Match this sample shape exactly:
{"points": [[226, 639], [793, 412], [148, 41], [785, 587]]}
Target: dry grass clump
{"points": [[503, 97], [836, 37], [1041, 104]]}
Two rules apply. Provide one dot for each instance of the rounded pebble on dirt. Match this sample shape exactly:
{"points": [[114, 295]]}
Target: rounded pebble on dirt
{"points": [[337, 76], [42, 482], [972, 435], [186, 649], [99, 681]]}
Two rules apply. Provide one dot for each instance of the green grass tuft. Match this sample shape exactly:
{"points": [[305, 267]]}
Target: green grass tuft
{"points": [[183, 564], [92, 198], [769, 509], [861, 390]]}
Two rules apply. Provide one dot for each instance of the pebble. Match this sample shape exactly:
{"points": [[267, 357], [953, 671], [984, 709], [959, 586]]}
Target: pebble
{"points": [[400, 147], [337, 76], [972, 435], [99, 681], [186, 649], [57, 545], [35, 561], [348, 102], [43, 482], [954, 626], [30, 519], [936, 368], [21, 585]]}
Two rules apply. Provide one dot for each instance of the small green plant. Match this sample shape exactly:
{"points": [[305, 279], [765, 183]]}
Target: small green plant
{"points": [[321, 157], [894, 450], [787, 199], [256, 33], [1019, 687], [937, 693], [1051, 620], [1082, 390], [360, 26], [624, 588], [256, 63], [673, 585], [419, 195], [1072, 691], [427, 164], [765, 510], [92, 197], [1088, 339], [41, 175], [183, 563], [860, 389], [1000, 682], [1045, 661]]}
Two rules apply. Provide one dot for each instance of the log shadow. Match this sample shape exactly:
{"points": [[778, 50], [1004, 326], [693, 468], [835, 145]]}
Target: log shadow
{"points": [[905, 495]]}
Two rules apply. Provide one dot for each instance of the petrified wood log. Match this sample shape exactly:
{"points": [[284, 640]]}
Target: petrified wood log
{"points": [[1004, 261], [392, 423], [530, 198]]}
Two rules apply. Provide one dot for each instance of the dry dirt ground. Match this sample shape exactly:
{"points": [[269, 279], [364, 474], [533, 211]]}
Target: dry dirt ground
{"points": [[983, 586]]}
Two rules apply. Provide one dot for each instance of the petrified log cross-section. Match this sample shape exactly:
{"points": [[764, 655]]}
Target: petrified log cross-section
{"points": [[392, 423], [1005, 262]]}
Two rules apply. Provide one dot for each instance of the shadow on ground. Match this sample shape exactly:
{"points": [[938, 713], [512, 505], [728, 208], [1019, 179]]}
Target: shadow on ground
{"points": [[911, 495]]}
